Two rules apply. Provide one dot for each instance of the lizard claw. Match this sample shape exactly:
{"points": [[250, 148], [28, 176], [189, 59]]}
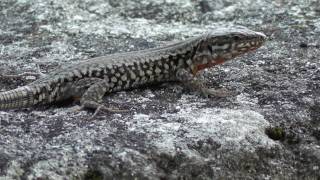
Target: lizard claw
{"points": [[223, 92], [98, 109], [104, 108]]}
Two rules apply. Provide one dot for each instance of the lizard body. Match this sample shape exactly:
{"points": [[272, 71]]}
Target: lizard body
{"points": [[90, 80]]}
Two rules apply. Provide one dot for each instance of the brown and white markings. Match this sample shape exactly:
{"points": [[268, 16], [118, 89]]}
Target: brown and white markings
{"points": [[90, 80]]}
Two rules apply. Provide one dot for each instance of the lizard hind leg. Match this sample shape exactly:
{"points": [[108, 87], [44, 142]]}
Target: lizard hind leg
{"points": [[92, 97]]}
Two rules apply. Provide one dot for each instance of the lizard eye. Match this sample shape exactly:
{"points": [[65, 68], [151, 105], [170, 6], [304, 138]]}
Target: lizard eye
{"points": [[237, 38]]}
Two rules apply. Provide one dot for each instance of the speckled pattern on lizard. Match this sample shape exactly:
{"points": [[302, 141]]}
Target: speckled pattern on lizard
{"points": [[90, 80]]}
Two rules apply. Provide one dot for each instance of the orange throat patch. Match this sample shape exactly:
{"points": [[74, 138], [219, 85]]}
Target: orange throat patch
{"points": [[199, 67]]}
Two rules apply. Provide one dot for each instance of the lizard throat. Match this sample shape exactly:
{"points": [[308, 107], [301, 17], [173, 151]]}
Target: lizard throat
{"points": [[207, 65]]}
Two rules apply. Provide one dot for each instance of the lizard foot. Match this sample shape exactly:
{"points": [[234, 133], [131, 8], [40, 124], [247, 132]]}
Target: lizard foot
{"points": [[99, 107], [104, 108], [207, 92]]}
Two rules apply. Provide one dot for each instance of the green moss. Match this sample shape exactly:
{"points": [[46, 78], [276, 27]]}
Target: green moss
{"points": [[275, 133], [93, 175]]}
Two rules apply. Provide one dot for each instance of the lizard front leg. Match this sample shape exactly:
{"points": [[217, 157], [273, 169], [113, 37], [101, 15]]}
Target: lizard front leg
{"points": [[196, 84], [92, 97]]}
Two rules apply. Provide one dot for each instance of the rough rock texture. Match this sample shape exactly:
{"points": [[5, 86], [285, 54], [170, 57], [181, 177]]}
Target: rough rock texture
{"points": [[269, 128]]}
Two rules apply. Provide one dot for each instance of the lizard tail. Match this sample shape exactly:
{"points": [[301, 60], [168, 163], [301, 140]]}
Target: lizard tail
{"points": [[16, 98]]}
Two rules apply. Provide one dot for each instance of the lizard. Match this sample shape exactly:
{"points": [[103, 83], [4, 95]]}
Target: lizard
{"points": [[91, 79]]}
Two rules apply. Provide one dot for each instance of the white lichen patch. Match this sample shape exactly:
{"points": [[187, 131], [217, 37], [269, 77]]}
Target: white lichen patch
{"points": [[236, 129]]}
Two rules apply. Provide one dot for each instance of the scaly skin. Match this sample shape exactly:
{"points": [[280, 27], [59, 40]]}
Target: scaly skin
{"points": [[90, 80]]}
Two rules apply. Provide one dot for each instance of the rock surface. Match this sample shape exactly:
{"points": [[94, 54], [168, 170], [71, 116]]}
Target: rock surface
{"points": [[270, 128]]}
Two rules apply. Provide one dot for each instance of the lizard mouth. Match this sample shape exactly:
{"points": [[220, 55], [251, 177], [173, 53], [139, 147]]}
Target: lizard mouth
{"points": [[247, 46]]}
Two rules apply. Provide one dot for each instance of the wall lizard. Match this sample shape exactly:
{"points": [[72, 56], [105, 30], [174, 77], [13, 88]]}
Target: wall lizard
{"points": [[90, 80]]}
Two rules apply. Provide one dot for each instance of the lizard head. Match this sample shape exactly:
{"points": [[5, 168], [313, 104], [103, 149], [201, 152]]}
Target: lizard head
{"points": [[219, 46]]}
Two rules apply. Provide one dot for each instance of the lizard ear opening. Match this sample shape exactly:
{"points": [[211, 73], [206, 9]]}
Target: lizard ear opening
{"points": [[203, 52]]}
